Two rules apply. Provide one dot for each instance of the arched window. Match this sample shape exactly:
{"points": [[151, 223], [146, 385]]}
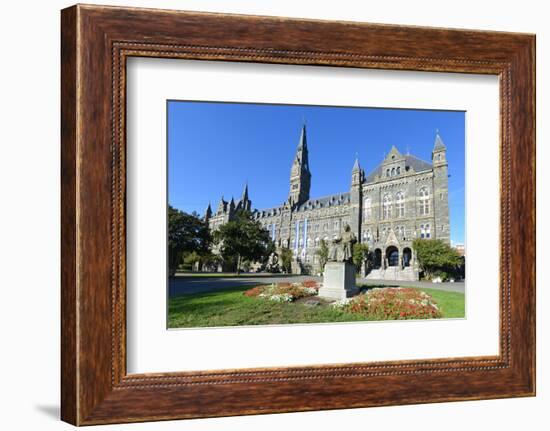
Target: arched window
{"points": [[367, 209], [317, 241], [398, 170], [392, 172], [400, 204], [387, 172], [386, 207], [424, 201]]}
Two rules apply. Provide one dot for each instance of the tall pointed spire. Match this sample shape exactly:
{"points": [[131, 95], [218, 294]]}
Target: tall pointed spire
{"points": [[438, 144], [245, 192], [303, 138], [300, 176], [356, 166]]}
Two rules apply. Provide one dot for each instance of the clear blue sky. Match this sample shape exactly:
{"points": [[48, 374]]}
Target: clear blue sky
{"points": [[215, 148]]}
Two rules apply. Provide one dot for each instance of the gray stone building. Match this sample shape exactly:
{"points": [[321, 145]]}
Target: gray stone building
{"points": [[403, 198]]}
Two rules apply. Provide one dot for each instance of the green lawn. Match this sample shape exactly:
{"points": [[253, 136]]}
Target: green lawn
{"points": [[231, 308], [452, 304], [225, 274]]}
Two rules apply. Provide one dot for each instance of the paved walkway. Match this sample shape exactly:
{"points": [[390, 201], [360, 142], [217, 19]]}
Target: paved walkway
{"points": [[188, 284]]}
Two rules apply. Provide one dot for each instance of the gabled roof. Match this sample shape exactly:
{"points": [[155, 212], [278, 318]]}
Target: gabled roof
{"points": [[413, 162]]}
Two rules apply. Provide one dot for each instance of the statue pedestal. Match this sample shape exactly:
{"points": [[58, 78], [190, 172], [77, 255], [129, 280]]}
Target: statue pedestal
{"points": [[338, 281]]}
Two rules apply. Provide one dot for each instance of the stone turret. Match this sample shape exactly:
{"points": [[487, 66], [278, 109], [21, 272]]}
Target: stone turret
{"points": [[356, 197], [441, 190]]}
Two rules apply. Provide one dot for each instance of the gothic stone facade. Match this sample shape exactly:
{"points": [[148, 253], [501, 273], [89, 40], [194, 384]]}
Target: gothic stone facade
{"points": [[402, 199]]}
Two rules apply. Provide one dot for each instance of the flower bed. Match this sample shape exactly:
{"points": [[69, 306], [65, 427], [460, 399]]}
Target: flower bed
{"points": [[392, 303], [284, 292]]}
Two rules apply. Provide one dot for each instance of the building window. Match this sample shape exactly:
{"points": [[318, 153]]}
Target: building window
{"points": [[336, 225], [386, 207], [368, 209], [367, 236], [400, 205], [387, 172], [392, 172], [424, 201], [425, 231], [398, 170], [317, 241], [401, 232]]}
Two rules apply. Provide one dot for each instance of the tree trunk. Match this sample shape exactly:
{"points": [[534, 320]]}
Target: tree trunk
{"points": [[238, 264]]}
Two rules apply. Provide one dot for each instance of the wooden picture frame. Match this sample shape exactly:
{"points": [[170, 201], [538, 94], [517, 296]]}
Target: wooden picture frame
{"points": [[95, 43]]}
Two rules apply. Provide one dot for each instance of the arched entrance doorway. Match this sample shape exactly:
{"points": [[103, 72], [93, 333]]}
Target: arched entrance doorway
{"points": [[392, 255], [377, 258], [407, 255]]}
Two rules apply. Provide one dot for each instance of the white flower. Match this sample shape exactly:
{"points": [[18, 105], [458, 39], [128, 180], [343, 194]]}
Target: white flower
{"points": [[341, 303], [284, 297]]}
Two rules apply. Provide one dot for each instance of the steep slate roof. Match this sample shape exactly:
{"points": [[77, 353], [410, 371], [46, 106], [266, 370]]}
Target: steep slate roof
{"points": [[323, 202], [416, 164]]}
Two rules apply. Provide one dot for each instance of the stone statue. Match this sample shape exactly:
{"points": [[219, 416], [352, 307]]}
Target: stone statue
{"points": [[342, 246]]}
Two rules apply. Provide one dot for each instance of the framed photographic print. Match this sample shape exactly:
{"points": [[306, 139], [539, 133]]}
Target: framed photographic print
{"points": [[268, 215]]}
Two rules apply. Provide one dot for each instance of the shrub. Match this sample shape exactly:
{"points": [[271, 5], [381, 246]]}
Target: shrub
{"points": [[255, 291], [311, 283]]}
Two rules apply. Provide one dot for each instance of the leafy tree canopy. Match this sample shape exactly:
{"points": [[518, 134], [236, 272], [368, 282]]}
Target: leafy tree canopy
{"points": [[285, 255], [244, 238], [436, 255], [360, 254], [322, 253], [187, 233]]}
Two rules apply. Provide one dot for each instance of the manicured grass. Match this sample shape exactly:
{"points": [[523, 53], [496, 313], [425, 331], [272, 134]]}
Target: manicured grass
{"points": [[226, 274], [231, 308], [452, 304]]}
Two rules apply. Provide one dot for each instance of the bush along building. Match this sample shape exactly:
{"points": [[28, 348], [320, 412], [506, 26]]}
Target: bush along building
{"points": [[403, 198]]}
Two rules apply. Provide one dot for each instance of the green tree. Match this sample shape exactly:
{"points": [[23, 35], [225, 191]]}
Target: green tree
{"points": [[191, 259], [285, 256], [322, 253], [360, 255], [243, 239], [436, 257], [187, 233]]}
